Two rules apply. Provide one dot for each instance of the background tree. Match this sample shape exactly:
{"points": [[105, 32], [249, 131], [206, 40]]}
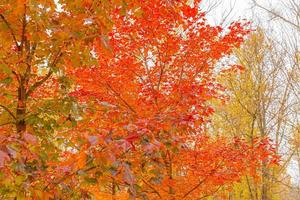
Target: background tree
{"points": [[259, 106], [284, 30]]}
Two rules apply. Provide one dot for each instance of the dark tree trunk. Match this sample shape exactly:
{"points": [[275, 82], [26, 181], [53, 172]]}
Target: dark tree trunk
{"points": [[21, 109]]}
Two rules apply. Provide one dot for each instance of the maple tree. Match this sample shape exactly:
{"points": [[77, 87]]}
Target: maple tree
{"points": [[113, 101], [38, 39]]}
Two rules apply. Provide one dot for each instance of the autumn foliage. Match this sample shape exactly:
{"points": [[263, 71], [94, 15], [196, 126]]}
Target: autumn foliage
{"points": [[122, 107]]}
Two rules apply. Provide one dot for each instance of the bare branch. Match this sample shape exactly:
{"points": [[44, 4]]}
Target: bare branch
{"points": [[277, 15]]}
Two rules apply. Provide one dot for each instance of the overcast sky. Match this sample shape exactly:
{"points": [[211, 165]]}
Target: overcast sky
{"points": [[239, 9]]}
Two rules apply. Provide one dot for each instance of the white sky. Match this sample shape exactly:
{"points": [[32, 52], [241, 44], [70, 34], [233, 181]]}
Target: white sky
{"points": [[240, 9]]}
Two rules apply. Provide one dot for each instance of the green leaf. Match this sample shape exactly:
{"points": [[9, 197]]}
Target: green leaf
{"points": [[19, 180], [7, 80], [91, 180], [5, 69]]}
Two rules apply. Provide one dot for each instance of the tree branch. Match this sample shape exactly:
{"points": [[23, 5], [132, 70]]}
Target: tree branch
{"points": [[9, 111], [203, 180], [152, 188], [6, 123], [74, 173], [277, 15], [11, 31], [23, 38], [207, 195], [17, 76], [39, 83], [120, 97], [194, 188]]}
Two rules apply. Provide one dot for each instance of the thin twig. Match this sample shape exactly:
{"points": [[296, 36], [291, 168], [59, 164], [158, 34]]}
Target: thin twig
{"points": [[194, 188], [6, 123], [277, 15], [151, 187]]}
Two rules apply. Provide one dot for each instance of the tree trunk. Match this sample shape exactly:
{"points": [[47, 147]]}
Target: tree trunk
{"points": [[21, 109], [264, 187]]}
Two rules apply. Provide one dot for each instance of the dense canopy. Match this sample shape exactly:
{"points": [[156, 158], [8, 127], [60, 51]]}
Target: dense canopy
{"points": [[113, 100]]}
